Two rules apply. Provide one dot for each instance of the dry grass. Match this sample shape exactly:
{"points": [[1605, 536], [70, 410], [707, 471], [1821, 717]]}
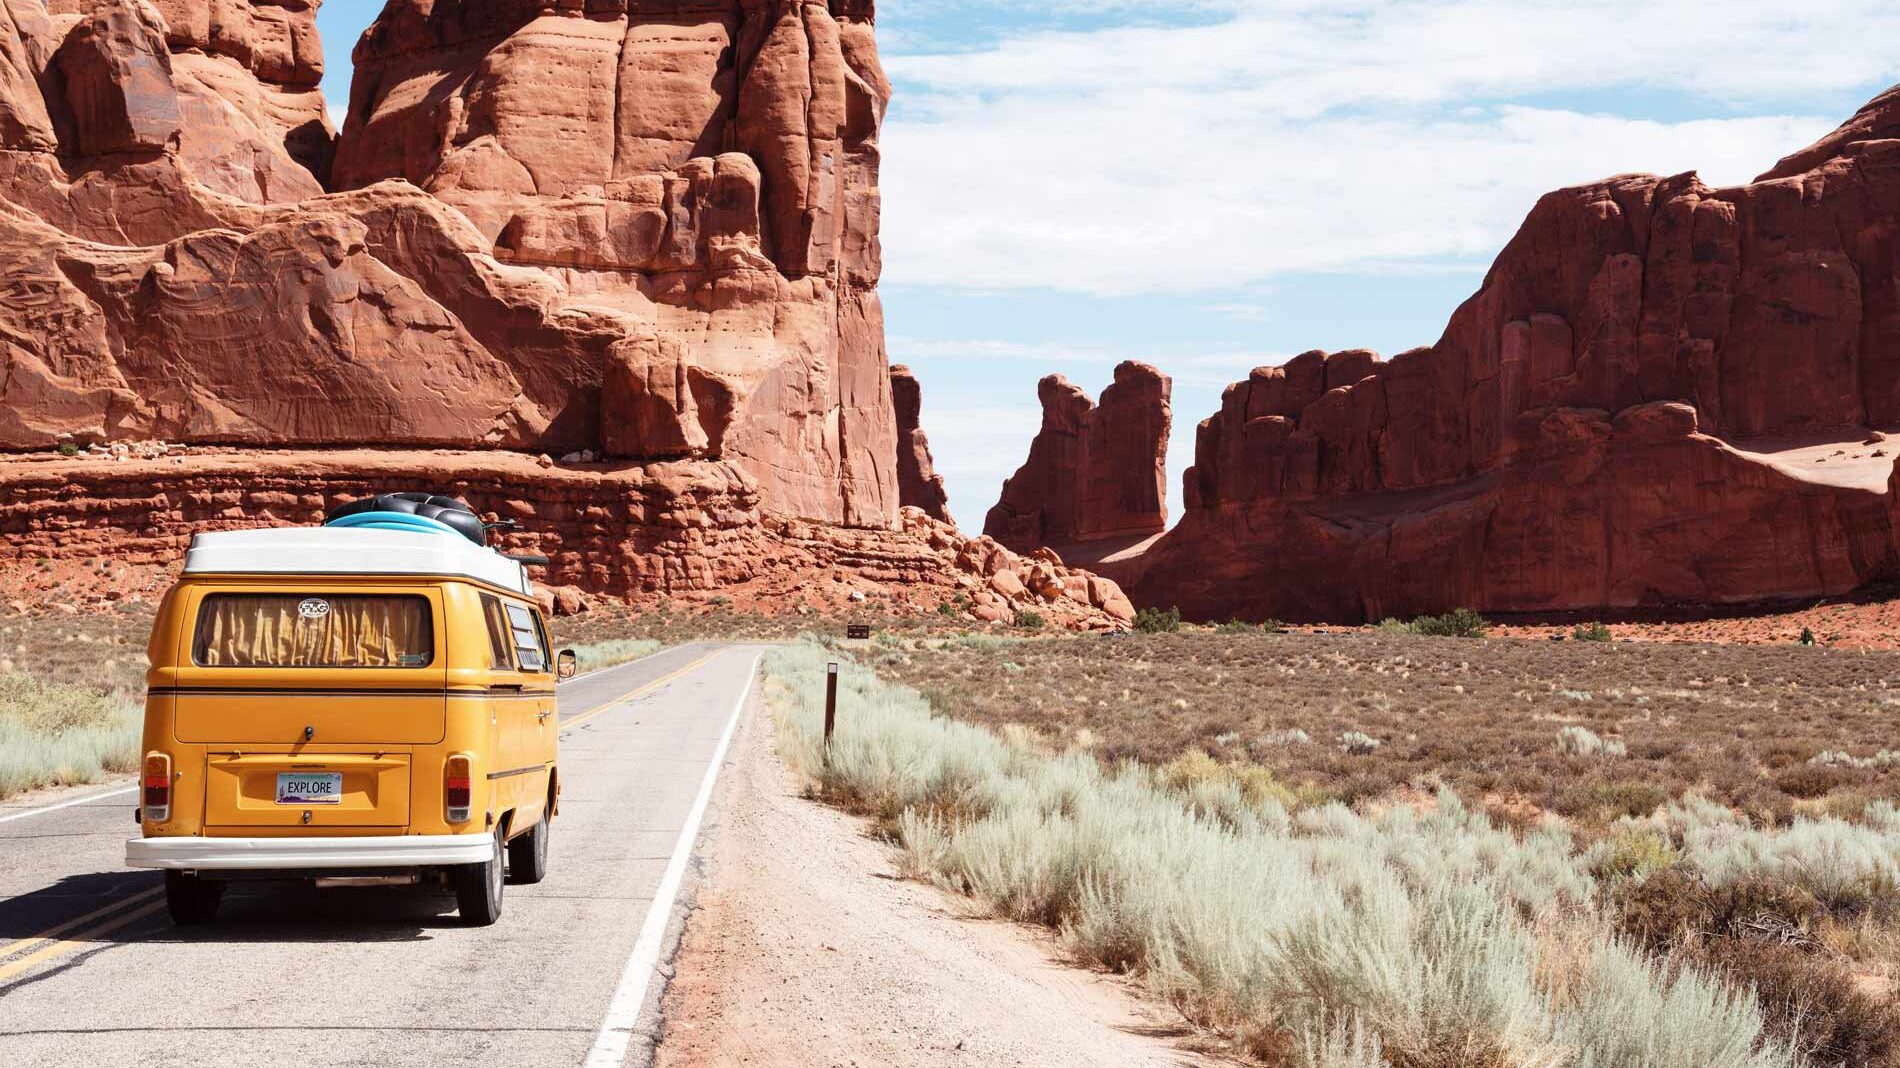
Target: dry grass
{"points": [[71, 690], [1413, 935], [1589, 730]]}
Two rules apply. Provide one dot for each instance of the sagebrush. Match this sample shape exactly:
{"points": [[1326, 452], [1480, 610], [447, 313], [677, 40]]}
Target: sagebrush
{"points": [[1315, 934]]}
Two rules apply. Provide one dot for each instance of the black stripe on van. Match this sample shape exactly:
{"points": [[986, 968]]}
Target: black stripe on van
{"points": [[512, 772]]}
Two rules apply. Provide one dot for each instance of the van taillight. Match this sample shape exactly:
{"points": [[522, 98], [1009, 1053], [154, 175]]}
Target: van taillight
{"points": [[457, 788], [158, 787]]}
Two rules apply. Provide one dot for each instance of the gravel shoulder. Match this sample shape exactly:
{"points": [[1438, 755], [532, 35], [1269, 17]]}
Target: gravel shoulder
{"points": [[805, 948]]}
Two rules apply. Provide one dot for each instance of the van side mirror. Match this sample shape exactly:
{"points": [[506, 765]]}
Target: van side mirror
{"points": [[566, 664]]}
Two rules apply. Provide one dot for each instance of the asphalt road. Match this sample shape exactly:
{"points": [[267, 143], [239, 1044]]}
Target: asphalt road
{"points": [[93, 973]]}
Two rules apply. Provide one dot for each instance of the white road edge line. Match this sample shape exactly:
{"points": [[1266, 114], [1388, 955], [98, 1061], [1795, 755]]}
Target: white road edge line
{"points": [[68, 804], [623, 1013]]}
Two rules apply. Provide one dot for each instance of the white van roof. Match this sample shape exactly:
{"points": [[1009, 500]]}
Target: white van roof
{"points": [[346, 551]]}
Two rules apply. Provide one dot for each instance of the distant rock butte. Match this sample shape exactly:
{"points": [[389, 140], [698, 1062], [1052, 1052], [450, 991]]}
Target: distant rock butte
{"points": [[1659, 396], [918, 484], [1093, 472], [647, 232]]}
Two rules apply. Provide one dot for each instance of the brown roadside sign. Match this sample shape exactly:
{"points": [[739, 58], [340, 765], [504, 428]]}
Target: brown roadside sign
{"points": [[857, 631]]}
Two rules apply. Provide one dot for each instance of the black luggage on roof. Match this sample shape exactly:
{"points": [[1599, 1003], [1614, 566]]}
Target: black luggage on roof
{"points": [[446, 510]]}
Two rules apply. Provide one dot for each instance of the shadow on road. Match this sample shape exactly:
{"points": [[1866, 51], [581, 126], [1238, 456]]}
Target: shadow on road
{"points": [[252, 912]]}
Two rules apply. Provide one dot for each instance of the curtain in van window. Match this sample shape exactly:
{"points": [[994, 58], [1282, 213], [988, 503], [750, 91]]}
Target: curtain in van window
{"points": [[313, 630]]}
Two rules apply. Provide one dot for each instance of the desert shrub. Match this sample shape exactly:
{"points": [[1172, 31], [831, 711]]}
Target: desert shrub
{"points": [[1834, 758], [1158, 620], [1812, 780], [1676, 906], [1630, 853], [1462, 623], [1809, 1001], [1273, 626], [1609, 800], [1590, 632], [1756, 934], [67, 448], [1849, 868], [1358, 743], [54, 734], [1635, 1013], [1028, 620], [1237, 626], [1204, 781], [1584, 742], [1329, 938]]}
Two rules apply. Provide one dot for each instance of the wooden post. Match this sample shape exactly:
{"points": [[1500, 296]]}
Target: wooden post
{"points": [[831, 703]]}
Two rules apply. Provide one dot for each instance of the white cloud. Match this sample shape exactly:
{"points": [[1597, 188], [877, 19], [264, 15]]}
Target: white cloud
{"points": [[1301, 136]]}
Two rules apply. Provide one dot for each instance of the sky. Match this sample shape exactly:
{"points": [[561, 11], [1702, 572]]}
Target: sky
{"points": [[1216, 185]]}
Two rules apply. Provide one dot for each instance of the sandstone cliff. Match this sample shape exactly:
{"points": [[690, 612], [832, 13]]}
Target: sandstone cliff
{"points": [[1606, 423], [651, 235], [1093, 472], [642, 237], [1662, 394]]}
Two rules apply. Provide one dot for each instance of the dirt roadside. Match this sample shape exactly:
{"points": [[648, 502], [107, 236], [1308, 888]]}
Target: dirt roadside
{"points": [[805, 949]]}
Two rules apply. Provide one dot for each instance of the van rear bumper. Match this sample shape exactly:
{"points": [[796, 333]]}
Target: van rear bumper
{"points": [[291, 854]]}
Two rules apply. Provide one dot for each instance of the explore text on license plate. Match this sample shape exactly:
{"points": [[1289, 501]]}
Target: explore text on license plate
{"points": [[304, 788]]}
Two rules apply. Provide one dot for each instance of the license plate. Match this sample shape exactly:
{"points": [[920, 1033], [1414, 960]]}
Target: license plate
{"points": [[306, 788]]}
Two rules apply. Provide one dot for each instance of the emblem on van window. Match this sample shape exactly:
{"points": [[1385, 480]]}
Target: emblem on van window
{"points": [[314, 608]]}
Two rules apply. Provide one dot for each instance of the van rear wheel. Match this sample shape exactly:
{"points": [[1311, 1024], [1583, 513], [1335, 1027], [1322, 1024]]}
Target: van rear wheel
{"points": [[192, 900], [478, 888], [528, 854]]}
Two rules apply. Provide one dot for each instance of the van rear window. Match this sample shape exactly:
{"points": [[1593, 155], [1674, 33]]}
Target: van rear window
{"points": [[254, 630]]}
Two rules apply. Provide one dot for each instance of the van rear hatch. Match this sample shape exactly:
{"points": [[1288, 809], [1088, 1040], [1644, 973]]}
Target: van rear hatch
{"points": [[309, 700], [249, 790]]}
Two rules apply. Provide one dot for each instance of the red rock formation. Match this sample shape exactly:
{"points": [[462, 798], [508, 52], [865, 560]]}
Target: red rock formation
{"points": [[1093, 473], [918, 484], [1607, 423], [652, 235], [646, 230], [619, 529], [701, 178]]}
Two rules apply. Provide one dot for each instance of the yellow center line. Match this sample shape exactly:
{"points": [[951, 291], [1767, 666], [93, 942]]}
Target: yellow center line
{"points": [[67, 945], [635, 692], [124, 902]]}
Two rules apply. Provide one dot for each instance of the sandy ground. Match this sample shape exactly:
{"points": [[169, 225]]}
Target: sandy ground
{"points": [[805, 949]]}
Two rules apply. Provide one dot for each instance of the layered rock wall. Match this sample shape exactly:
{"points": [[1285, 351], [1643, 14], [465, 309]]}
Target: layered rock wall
{"points": [[1093, 472], [619, 529]]}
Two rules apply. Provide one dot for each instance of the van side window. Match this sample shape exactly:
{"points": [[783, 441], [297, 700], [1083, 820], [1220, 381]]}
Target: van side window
{"points": [[499, 639], [527, 639]]}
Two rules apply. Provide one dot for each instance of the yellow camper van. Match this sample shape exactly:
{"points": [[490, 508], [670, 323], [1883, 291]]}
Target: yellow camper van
{"points": [[371, 702]]}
